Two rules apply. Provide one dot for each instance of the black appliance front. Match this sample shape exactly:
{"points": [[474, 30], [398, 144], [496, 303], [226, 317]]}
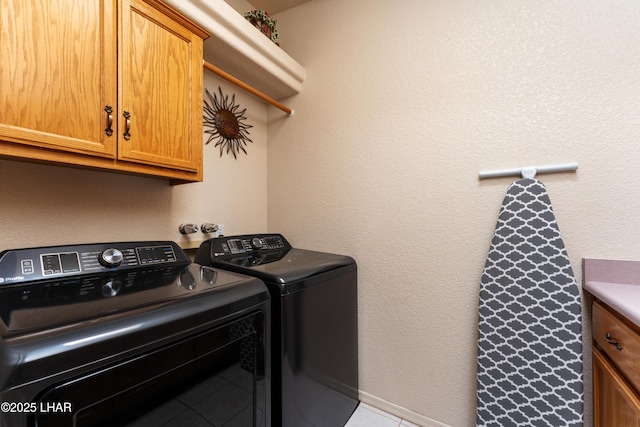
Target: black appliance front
{"points": [[130, 334], [314, 324]]}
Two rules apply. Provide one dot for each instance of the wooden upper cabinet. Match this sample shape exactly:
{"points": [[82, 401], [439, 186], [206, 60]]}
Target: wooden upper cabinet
{"points": [[161, 88], [57, 74], [72, 69]]}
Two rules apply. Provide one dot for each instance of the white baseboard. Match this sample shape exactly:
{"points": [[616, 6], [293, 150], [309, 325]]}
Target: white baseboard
{"points": [[399, 411]]}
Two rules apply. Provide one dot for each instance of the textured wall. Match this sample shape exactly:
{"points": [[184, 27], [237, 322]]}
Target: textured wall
{"points": [[403, 104], [50, 205]]}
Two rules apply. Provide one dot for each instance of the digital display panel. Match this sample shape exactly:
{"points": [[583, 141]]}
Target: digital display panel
{"points": [[70, 263], [236, 246], [60, 263], [51, 264], [155, 254]]}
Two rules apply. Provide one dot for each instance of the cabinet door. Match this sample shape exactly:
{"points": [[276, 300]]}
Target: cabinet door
{"points": [[615, 403], [160, 88], [57, 75]]}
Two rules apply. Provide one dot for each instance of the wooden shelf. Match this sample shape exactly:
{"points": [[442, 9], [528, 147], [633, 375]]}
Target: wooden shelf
{"points": [[241, 50]]}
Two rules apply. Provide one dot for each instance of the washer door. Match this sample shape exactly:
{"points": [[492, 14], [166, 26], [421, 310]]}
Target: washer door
{"points": [[218, 375]]}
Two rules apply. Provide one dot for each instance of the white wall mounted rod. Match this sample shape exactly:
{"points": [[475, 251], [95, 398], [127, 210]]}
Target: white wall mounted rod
{"points": [[530, 171]]}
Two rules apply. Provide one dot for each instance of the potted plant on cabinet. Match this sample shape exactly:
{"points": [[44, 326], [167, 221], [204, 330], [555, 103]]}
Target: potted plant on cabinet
{"points": [[263, 22]]}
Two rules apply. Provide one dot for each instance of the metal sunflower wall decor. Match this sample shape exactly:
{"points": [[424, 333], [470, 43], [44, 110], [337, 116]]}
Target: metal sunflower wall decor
{"points": [[226, 123]]}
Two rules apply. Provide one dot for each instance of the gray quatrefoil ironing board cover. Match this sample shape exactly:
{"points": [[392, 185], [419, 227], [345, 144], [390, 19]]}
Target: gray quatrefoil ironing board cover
{"points": [[530, 322]]}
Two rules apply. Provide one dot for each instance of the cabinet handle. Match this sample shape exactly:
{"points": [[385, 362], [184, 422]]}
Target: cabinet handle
{"points": [[616, 344], [109, 129], [127, 125]]}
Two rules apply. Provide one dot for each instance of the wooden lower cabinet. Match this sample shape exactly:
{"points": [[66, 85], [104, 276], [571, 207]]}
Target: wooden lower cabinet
{"points": [[616, 368], [615, 403]]}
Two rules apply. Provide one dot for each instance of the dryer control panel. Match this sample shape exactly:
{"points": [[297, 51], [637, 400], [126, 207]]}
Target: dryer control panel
{"points": [[236, 245]]}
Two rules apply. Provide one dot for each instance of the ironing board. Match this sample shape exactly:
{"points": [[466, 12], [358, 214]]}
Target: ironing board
{"points": [[530, 326]]}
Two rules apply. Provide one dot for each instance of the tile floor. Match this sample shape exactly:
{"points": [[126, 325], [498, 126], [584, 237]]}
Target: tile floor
{"points": [[368, 416], [225, 399]]}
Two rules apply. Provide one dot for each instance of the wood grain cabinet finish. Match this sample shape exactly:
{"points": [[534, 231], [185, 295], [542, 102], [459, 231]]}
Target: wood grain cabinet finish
{"points": [[105, 84], [616, 369]]}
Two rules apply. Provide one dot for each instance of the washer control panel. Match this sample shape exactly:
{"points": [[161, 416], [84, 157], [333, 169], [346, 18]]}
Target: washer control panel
{"points": [[26, 265]]}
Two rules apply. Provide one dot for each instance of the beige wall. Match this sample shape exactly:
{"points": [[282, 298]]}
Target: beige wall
{"points": [[50, 205], [403, 104]]}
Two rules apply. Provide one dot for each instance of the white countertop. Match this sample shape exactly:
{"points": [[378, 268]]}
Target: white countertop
{"points": [[623, 298], [616, 283]]}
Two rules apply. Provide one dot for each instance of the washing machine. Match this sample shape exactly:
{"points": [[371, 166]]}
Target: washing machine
{"points": [[314, 329], [130, 334]]}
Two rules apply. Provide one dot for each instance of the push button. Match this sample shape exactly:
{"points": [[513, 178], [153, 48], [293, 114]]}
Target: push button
{"points": [[27, 266]]}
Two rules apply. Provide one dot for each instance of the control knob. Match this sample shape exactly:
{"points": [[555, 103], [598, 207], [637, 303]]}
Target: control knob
{"points": [[111, 287], [186, 280], [110, 257], [256, 243]]}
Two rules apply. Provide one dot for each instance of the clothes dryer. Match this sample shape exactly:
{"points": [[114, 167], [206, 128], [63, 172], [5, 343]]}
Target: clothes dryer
{"points": [[314, 344]]}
